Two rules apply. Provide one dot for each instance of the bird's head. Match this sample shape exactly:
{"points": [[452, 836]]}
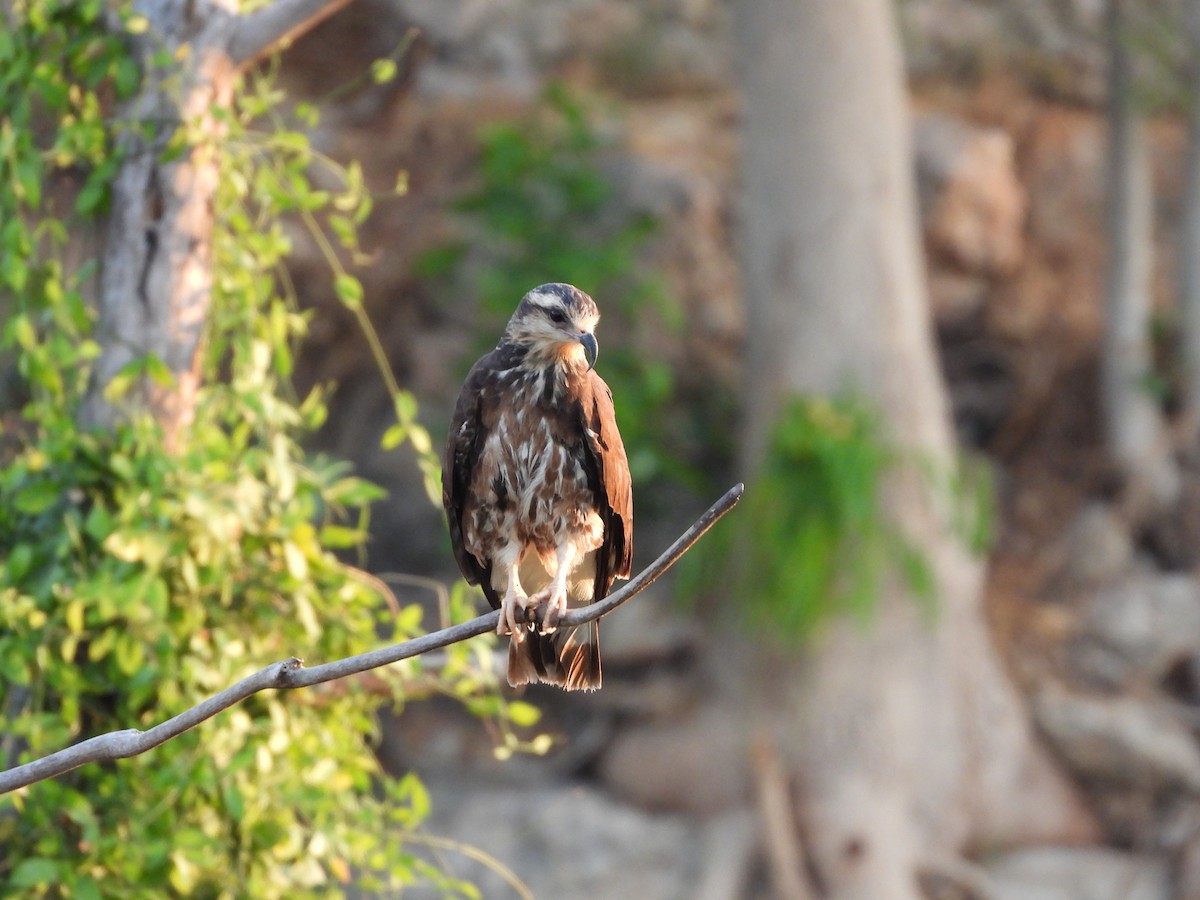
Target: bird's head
{"points": [[555, 323]]}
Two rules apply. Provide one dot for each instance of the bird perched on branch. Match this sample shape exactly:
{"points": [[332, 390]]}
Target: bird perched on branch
{"points": [[536, 486]]}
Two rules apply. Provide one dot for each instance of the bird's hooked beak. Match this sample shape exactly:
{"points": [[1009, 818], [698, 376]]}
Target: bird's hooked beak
{"points": [[590, 348]]}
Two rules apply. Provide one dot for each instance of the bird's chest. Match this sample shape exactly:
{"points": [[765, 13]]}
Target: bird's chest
{"points": [[531, 481]]}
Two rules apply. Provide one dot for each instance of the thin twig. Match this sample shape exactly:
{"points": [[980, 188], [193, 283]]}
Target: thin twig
{"points": [[291, 673], [785, 851], [274, 26], [520, 888]]}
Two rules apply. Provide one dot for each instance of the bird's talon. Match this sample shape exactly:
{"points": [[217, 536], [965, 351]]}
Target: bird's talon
{"points": [[552, 612], [514, 610]]}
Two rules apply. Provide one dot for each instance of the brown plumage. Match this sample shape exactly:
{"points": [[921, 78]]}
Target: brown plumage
{"points": [[536, 484]]}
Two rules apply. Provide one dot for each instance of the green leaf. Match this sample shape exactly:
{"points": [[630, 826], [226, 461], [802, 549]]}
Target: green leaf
{"points": [[406, 406], [184, 874], [67, 649], [29, 181], [126, 77], [420, 439], [349, 290], [129, 654], [297, 564], [393, 437], [523, 714], [148, 547], [37, 497], [20, 330], [157, 371], [383, 70], [92, 198], [409, 619], [307, 114], [338, 537], [18, 563], [344, 230], [119, 385], [34, 872], [74, 616], [355, 492]]}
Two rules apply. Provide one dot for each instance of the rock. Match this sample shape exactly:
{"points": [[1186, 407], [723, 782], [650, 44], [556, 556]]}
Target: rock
{"points": [[693, 763], [1149, 619], [1053, 43], [1122, 740], [982, 383], [1172, 535], [1188, 872], [1098, 546], [1063, 157], [566, 841], [667, 59], [956, 296], [479, 48], [972, 204], [729, 844], [1077, 873]]}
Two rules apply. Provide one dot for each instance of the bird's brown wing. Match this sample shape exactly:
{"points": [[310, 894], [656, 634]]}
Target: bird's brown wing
{"points": [[608, 473], [464, 442]]}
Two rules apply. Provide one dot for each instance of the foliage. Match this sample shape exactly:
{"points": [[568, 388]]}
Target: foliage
{"points": [[827, 547], [548, 213], [137, 581], [816, 541]]}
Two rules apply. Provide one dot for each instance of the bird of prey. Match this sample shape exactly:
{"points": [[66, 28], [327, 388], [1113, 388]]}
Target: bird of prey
{"points": [[536, 485]]}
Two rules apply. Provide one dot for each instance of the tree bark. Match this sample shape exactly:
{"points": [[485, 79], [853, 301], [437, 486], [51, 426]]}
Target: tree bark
{"points": [[907, 739], [156, 271], [1188, 254], [1133, 424]]}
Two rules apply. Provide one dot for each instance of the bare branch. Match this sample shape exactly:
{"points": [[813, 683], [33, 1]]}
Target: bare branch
{"points": [[266, 29], [785, 849], [291, 673]]}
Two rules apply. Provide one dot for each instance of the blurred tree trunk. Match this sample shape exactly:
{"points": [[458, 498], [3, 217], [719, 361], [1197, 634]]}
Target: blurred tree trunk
{"points": [[1133, 424], [906, 738], [156, 270], [1189, 241]]}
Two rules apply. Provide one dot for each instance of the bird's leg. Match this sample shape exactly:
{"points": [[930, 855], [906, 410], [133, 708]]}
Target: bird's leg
{"points": [[555, 594], [514, 595]]}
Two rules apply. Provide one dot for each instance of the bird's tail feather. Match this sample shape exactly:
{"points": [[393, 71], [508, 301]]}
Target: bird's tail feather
{"points": [[569, 657]]}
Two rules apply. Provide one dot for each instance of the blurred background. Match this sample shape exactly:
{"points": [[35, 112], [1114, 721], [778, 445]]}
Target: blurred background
{"points": [[609, 144], [926, 276]]}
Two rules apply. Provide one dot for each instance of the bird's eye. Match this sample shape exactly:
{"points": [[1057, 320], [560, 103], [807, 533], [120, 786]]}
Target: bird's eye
{"points": [[557, 316]]}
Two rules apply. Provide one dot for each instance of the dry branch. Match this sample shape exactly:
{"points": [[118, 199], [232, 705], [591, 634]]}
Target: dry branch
{"points": [[785, 850], [272, 27], [291, 673]]}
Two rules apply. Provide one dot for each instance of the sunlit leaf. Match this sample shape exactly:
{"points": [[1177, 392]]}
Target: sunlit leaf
{"points": [[523, 714], [34, 872], [383, 70], [349, 290]]}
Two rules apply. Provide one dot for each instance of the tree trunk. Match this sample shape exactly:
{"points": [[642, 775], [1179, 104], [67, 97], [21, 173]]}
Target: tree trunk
{"points": [[907, 739], [156, 278], [156, 270], [1132, 421], [1188, 254]]}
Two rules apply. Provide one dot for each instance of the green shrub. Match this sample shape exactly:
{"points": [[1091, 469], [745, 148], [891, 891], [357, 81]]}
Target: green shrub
{"points": [[136, 581], [815, 539]]}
